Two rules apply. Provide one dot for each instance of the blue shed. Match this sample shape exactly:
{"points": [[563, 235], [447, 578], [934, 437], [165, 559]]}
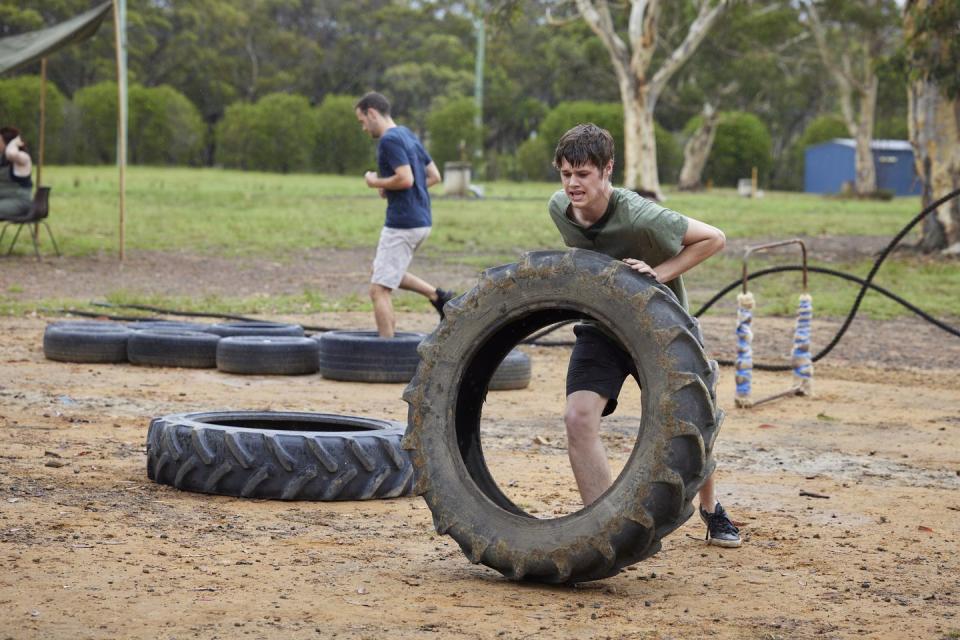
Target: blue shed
{"points": [[830, 164]]}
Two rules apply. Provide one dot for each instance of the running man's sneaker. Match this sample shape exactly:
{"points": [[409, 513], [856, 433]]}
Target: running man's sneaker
{"points": [[443, 297], [720, 531]]}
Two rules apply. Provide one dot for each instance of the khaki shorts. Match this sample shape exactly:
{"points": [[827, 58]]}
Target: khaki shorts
{"points": [[394, 254]]}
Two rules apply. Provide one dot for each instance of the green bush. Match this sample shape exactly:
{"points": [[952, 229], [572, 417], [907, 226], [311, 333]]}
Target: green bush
{"points": [[608, 115], [669, 155], [534, 160], [275, 134], [342, 146], [566, 115], [234, 145], [165, 128], [93, 124], [742, 142], [820, 129], [20, 107], [448, 126]]}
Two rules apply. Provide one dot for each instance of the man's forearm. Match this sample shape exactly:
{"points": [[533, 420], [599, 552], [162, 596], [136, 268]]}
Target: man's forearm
{"points": [[689, 257]]}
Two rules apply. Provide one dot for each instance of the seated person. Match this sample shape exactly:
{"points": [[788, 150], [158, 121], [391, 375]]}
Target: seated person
{"points": [[16, 186]]}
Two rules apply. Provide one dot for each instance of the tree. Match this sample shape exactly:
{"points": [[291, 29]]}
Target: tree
{"points": [[697, 149], [275, 134], [452, 131], [639, 88], [20, 106], [342, 146], [165, 127], [742, 143], [853, 38], [930, 28]]}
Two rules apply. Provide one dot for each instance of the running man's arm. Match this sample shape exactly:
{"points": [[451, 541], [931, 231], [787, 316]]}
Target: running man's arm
{"points": [[433, 174], [401, 179]]}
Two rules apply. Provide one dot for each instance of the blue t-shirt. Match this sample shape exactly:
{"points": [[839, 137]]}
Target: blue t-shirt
{"points": [[406, 208]]}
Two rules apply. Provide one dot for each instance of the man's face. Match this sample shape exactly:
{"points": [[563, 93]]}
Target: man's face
{"points": [[370, 122], [585, 185]]}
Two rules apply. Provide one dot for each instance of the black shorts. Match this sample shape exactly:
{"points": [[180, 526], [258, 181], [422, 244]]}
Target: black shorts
{"points": [[599, 364]]}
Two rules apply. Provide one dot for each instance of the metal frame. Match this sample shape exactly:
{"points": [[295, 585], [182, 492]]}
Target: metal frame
{"points": [[796, 390]]}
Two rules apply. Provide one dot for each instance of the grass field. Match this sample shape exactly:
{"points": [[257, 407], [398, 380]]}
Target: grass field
{"points": [[277, 217]]}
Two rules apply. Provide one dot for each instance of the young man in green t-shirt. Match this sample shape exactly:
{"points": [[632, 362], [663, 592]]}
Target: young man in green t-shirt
{"points": [[591, 214]]}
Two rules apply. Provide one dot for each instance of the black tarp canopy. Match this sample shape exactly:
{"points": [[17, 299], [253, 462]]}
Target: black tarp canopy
{"points": [[25, 48]]}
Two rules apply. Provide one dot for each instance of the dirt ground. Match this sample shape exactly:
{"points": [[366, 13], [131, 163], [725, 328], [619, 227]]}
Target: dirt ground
{"points": [[90, 548]]}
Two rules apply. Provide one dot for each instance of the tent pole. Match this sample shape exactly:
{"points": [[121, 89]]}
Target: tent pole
{"points": [[121, 117], [43, 120]]}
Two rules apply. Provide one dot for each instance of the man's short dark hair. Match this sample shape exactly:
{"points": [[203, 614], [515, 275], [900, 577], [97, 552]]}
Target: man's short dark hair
{"points": [[585, 144], [374, 100]]}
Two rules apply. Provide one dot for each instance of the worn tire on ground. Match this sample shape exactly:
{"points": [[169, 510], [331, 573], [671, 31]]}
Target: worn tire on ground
{"points": [[173, 348], [255, 328], [670, 460], [267, 355], [363, 356], [91, 342], [279, 455], [513, 373], [168, 325]]}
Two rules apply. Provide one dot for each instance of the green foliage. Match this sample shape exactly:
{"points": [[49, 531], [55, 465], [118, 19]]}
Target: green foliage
{"points": [[534, 160], [933, 44], [566, 115], [20, 107], [275, 134], [414, 89], [342, 146], [164, 127], [742, 142], [450, 126], [669, 155], [821, 129], [93, 122]]}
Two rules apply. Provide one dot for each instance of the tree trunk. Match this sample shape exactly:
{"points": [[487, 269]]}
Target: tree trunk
{"points": [[697, 150], [640, 145], [935, 134], [866, 170]]}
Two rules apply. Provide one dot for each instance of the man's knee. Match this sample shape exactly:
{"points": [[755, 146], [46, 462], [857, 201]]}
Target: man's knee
{"points": [[378, 291], [582, 422]]}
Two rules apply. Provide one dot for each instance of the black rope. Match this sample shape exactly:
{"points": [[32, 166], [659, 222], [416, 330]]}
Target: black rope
{"points": [[535, 339], [866, 283], [191, 314]]}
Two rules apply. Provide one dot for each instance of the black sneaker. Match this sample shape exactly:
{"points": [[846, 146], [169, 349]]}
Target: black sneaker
{"points": [[443, 297], [720, 531]]}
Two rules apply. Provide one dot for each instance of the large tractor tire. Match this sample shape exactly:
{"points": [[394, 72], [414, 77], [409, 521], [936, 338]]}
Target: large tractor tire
{"points": [[670, 461], [279, 455]]}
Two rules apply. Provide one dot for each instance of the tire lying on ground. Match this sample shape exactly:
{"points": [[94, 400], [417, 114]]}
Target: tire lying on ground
{"points": [[270, 355], [172, 348], [670, 460], [513, 372], [280, 455], [255, 328], [363, 356], [85, 342], [168, 325]]}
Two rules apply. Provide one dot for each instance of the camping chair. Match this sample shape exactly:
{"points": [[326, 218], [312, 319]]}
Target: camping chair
{"points": [[39, 210]]}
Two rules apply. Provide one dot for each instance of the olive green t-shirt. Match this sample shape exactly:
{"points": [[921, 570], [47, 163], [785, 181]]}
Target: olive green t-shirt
{"points": [[631, 227]]}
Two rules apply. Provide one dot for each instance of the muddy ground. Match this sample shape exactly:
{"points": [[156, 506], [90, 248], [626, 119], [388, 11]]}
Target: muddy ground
{"points": [[90, 548]]}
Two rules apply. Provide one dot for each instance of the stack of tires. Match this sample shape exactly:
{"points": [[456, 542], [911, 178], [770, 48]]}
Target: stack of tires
{"points": [[234, 347]]}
